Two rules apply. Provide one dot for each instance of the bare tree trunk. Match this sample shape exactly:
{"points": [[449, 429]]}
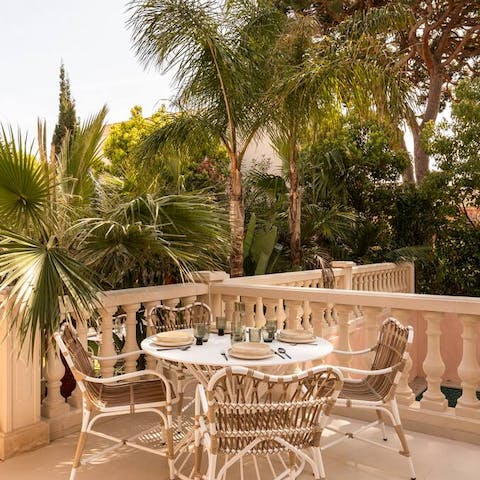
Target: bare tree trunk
{"points": [[295, 204], [237, 221], [399, 143], [421, 158]]}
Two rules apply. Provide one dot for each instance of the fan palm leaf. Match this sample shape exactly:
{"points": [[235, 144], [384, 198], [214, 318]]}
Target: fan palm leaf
{"points": [[33, 276]]}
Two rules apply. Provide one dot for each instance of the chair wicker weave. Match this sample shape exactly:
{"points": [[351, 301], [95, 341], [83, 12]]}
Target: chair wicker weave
{"points": [[119, 395], [162, 319], [376, 388], [249, 412]]}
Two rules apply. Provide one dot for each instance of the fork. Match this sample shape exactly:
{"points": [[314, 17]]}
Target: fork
{"points": [[225, 355], [173, 348]]}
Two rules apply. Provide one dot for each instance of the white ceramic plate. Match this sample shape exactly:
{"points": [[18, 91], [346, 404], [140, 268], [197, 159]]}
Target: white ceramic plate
{"points": [[250, 356], [293, 340], [182, 343]]}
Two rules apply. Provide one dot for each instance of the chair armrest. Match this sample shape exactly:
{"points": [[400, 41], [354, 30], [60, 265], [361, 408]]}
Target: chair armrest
{"points": [[132, 375], [354, 352], [357, 371], [119, 356]]}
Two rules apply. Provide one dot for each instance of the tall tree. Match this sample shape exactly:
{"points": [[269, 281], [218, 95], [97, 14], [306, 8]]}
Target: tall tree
{"points": [[439, 45], [219, 50], [67, 117]]}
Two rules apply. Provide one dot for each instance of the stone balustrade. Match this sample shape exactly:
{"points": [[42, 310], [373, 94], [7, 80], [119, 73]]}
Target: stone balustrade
{"points": [[446, 350], [117, 316]]}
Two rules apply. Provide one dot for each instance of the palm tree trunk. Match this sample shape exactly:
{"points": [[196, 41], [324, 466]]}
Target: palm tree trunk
{"points": [[295, 204], [237, 220]]}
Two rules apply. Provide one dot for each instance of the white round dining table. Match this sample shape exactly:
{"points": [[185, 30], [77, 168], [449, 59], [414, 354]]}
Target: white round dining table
{"points": [[203, 360]]}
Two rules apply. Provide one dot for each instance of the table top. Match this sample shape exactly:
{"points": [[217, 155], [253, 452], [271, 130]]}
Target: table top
{"points": [[210, 353]]}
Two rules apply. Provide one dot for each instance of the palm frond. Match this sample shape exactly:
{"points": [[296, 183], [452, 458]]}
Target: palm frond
{"points": [[24, 184], [34, 275], [79, 154]]}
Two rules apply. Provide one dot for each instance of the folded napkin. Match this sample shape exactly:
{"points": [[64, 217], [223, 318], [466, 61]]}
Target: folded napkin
{"points": [[298, 334], [250, 348], [174, 336]]}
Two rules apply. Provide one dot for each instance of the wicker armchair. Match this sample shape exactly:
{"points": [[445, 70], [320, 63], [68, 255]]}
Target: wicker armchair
{"points": [[119, 395], [246, 412], [375, 389], [162, 319]]}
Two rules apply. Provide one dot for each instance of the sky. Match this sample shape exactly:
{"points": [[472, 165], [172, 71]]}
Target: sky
{"points": [[92, 40]]}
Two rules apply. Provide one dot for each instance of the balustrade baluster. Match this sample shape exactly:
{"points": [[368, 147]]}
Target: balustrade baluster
{"points": [[75, 400], [107, 348], [433, 365], [343, 318], [259, 315], [249, 310], [294, 313], [54, 404], [271, 313], [405, 394], [131, 336], [188, 301], [229, 303], [318, 322], [149, 306], [468, 404]]}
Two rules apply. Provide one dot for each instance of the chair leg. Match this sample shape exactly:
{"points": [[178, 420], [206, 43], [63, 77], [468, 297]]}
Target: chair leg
{"points": [[317, 456], [292, 462], [401, 436], [382, 424], [82, 438], [212, 466]]}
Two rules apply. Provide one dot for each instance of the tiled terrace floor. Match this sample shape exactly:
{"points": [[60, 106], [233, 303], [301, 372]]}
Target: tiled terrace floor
{"points": [[435, 459]]}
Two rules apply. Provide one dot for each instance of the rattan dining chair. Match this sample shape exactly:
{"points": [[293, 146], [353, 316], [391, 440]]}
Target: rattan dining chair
{"points": [[375, 388], [137, 392], [246, 412], [163, 318]]}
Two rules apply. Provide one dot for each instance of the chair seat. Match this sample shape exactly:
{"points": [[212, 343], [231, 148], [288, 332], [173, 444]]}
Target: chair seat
{"points": [[362, 390], [125, 394]]}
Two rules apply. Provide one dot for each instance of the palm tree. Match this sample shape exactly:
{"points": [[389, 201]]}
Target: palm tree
{"points": [[40, 197], [219, 52], [64, 225], [317, 75]]}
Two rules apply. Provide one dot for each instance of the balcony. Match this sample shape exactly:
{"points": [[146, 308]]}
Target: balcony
{"points": [[446, 353], [435, 459]]}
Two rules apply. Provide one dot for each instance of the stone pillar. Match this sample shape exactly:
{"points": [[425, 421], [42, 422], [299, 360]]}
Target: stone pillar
{"points": [[21, 427], [347, 272], [214, 301]]}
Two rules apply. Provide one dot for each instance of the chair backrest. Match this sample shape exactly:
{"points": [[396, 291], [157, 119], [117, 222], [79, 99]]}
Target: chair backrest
{"points": [[78, 360], [245, 405], [164, 318], [394, 341]]}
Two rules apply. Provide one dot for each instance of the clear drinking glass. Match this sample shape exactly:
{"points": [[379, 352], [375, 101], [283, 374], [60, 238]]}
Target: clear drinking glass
{"points": [[238, 323], [221, 323], [269, 330], [199, 332], [254, 334]]}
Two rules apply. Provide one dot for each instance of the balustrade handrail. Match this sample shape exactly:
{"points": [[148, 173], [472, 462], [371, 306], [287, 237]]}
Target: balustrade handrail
{"points": [[130, 296], [377, 267], [404, 301], [285, 277]]}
